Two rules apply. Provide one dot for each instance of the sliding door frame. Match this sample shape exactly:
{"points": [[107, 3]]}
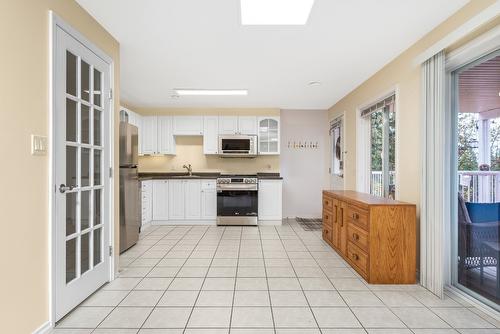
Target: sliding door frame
{"points": [[457, 60]]}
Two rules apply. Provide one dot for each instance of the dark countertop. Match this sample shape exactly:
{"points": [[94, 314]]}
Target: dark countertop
{"points": [[176, 175], [201, 175], [269, 176]]}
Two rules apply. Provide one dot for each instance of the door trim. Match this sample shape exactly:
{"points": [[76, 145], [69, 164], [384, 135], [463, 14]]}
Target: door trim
{"points": [[479, 47], [55, 23]]}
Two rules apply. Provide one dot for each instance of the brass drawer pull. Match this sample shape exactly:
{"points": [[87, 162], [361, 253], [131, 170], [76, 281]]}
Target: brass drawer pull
{"points": [[355, 216], [355, 256], [355, 236]]}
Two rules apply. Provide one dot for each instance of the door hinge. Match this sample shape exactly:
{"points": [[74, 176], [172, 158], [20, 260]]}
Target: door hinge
{"points": [[110, 171], [110, 250], [110, 94]]}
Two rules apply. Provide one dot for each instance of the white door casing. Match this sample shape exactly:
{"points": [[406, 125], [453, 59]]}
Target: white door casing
{"points": [[80, 163]]}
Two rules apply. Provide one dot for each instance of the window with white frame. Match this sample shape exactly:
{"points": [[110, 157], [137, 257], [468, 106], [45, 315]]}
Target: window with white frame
{"points": [[336, 129], [381, 119]]}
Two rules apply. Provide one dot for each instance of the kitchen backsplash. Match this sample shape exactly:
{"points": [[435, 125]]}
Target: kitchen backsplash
{"points": [[189, 150]]}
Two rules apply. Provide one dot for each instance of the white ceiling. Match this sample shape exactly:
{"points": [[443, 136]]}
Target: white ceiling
{"points": [[167, 44]]}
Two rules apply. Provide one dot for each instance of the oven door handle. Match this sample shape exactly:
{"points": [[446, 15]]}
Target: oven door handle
{"points": [[237, 187]]}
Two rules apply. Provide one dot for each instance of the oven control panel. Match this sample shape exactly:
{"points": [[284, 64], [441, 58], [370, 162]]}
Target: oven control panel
{"points": [[246, 180]]}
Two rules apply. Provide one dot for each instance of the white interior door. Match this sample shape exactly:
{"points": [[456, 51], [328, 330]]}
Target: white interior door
{"points": [[81, 162]]}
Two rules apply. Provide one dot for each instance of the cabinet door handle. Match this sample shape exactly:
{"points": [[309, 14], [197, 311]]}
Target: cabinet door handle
{"points": [[341, 217], [355, 236], [355, 216], [355, 256]]}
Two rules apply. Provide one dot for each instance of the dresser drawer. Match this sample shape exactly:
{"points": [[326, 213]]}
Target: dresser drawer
{"points": [[358, 216], [328, 218], [327, 203], [358, 236], [327, 233], [357, 257]]}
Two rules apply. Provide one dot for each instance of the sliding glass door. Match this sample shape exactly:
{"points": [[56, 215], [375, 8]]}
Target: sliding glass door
{"points": [[476, 111]]}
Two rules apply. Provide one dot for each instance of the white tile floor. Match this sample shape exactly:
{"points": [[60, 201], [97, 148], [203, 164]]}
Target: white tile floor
{"points": [[271, 279]]}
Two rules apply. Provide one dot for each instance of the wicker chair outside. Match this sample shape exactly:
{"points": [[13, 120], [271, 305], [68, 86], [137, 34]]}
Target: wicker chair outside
{"points": [[472, 253]]}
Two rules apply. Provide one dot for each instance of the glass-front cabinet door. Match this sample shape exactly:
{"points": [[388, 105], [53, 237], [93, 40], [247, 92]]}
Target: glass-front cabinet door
{"points": [[269, 135]]}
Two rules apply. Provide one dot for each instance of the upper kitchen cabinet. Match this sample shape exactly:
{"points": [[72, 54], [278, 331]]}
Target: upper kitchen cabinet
{"points": [[228, 125], [156, 135], [235, 125], [149, 140], [247, 125], [188, 125], [166, 143], [269, 135], [211, 135]]}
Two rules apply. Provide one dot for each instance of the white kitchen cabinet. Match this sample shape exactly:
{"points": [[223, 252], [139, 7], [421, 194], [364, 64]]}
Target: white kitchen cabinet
{"points": [[176, 200], [192, 196], [166, 142], [211, 135], [188, 125], [235, 125], [269, 135], [228, 125], [149, 135], [270, 199], [208, 200], [247, 125], [160, 199], [146, 201]]}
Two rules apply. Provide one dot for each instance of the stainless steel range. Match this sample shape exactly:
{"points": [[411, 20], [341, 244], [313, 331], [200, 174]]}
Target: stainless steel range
{"points": [[237, 200]]}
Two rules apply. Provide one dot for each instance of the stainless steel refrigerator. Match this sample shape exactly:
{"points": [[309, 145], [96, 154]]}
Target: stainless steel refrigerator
{"points": [[130, 199]]}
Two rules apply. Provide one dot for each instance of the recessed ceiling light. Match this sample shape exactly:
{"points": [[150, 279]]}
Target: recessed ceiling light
{"points": [[210, 92], [275, 12], [314, 83]]}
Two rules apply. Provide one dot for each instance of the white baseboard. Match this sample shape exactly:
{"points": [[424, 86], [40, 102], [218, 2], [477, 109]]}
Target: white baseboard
{"points": [[44, 328], [183, 222]]}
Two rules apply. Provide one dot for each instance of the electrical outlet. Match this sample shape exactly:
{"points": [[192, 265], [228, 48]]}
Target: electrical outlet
{"points": [[38, 145]]}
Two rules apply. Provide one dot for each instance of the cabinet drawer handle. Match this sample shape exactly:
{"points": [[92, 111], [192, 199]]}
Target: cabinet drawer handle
{"points": [[355, 256], [355, 216], [355, 236], [326, 217]]}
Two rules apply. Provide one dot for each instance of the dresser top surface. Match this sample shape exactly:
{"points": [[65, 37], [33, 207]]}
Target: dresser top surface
{"points": [[363, 198]]}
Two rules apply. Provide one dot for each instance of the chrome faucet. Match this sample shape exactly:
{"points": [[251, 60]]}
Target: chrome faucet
{"points": [[189, 169]]}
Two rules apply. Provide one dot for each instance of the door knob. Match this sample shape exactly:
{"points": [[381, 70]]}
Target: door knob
{"points": [[63, 188]]}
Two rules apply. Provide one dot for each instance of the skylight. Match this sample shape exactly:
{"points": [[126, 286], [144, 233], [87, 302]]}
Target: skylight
{"points": [[275, 12]]}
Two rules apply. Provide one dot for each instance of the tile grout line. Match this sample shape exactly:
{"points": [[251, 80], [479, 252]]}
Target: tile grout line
{"points": [[130, 291], [298, 280], [204, 279], [267, 280]]}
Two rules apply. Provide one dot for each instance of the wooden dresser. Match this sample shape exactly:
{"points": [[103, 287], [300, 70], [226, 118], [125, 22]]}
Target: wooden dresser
{"points": [[376, 236]]}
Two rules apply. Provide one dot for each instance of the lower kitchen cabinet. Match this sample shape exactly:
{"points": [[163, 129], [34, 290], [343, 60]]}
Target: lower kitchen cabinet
{"points": [[270, 200], [160, 199], [146, 201], [208, 200], [176, 200], [192, 199]]}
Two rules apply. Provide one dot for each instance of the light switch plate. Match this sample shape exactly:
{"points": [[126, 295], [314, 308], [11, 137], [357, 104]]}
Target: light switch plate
{"points": [[38, 145]]}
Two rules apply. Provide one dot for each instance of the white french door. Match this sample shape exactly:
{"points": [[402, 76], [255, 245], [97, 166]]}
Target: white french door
{"points": [[81, 161]]}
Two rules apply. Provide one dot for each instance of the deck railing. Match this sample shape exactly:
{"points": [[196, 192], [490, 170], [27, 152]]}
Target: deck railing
{"points": [[479, 186], [377, 187]]}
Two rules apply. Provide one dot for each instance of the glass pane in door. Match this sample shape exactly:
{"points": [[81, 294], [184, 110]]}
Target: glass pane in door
{"points": [[70, 260], [97, 167], [85, 210], [97, 127], [97, 207], [71, 166], [85, 121], [71, 120], [85, 167], [97, 88], [71, 73], [85, 81], [97, 246], [71, 201], [478, 206], [85, 253]]}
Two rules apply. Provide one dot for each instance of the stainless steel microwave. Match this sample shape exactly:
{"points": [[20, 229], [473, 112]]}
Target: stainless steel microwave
{"points": [[238, 146]]}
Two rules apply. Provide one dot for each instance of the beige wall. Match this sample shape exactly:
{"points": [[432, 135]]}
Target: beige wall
{"points": [[403, 75], [24, 92], [189, 150]]}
